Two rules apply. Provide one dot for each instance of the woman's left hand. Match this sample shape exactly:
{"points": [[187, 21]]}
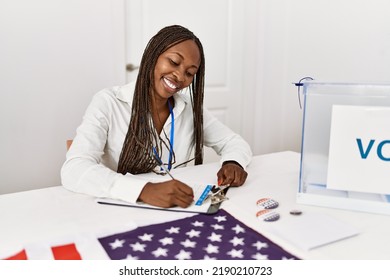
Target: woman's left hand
{"points": [[231, 174]]}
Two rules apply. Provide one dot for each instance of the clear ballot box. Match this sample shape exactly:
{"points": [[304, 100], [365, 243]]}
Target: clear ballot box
{"points": [[320, 101]]}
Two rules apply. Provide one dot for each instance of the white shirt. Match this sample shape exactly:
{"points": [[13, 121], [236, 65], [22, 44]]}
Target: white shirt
{"points": [[92, 160]]}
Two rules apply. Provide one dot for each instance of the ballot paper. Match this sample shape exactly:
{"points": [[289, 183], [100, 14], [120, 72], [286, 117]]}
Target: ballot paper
{"points": [[312, 230], [201, 204]]}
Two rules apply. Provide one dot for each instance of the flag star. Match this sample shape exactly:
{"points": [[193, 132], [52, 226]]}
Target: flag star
{"points": [[188, 243], [210, 249], [173, 230], [220, 218], [217, 226], [238, 229], [117, 244], [183, 255], [193, 233], [235, 253], [160, 252], [259, 245], [198, 224], [146, 237], [237, 241], [215, 237], [166, 240], [138, 247], [130, 257], [259, 256], [206, 257]]}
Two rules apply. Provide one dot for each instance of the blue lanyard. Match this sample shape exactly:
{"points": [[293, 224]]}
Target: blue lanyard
{"points": [[171, 140]]}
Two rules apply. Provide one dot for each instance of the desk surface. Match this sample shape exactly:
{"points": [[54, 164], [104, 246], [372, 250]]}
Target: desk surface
{"points": [[36, 216]]}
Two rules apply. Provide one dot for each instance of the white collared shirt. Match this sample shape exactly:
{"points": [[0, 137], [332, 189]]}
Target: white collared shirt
{"points": [[92, 160]]}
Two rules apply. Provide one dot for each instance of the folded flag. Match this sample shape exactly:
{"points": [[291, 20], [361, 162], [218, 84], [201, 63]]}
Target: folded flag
{"points": [[202, 236]]}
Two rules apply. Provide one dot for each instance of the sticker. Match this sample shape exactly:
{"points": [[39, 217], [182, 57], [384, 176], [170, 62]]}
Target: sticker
{"points": [[267, 215], [267, 203]]}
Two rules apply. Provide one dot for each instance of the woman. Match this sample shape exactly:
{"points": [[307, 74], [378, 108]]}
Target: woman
{"points": [[160, 118]]}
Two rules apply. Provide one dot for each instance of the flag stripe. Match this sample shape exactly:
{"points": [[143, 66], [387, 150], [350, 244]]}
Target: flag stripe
{"points": [[19, 256], [66, 252]]}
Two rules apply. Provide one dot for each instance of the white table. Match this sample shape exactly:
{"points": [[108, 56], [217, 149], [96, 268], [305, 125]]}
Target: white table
{"points": [[55, 214]]}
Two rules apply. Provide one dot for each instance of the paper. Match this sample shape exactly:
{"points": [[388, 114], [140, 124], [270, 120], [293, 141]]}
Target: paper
{"points": [[312, 230], [359, 149], [200, 205]]}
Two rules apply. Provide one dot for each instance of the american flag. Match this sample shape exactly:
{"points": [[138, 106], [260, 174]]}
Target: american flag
{"points": [[202, 236], [60, 252]]}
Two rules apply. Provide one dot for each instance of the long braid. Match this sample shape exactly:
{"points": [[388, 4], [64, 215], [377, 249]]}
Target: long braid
{"points": [[197, 106], [137, 151]]}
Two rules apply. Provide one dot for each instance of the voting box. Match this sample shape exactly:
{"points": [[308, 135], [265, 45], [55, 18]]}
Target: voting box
{"points": [[345, 153]]}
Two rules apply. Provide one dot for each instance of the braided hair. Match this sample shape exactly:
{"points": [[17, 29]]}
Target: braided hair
{"points": [[137, 151]]}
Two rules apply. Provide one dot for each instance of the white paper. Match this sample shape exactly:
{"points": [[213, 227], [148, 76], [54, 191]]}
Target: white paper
{"points": [[312, 230], [359, 149], [198, 189]]}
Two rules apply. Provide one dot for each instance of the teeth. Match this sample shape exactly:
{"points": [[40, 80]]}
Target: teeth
{"points": [[172, 86]]}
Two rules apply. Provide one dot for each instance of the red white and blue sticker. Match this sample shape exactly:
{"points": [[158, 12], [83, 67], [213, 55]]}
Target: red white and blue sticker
{"points": [[267, 203], [267, 215]]}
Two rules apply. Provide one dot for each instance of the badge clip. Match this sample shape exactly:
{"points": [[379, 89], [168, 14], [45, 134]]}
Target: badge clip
{"points": [[218, 194]]}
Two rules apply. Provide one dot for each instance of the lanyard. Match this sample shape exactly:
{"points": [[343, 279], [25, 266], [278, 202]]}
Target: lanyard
{"points": [[171, 140]]}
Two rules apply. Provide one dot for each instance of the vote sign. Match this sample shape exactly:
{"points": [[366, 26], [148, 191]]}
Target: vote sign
{"points": [[359, 149]]}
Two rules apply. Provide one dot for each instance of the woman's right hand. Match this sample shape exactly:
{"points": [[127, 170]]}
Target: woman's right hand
{"points": [[167, 194]]}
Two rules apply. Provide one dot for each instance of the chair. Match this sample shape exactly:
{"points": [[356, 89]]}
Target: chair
{"points": [[68, 144]]}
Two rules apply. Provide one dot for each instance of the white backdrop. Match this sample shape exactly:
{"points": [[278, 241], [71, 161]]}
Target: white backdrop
{"points": [[54, 55], [329, 40]]}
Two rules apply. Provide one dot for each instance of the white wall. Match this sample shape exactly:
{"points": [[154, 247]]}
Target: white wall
{"points": [[329, 40], [54, 55]]}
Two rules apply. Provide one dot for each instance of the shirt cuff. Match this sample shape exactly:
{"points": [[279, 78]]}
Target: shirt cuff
{"points": [[233, 162], [127, 188]]}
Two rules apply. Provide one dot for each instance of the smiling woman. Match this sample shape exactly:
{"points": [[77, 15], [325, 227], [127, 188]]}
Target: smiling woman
{"points": [[176, 67], [126, 128], [152, 93], [175, 70]]}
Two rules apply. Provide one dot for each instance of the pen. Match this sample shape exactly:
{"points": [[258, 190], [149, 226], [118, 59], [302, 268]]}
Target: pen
{"points": [[167, 171], [160, 163]]}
